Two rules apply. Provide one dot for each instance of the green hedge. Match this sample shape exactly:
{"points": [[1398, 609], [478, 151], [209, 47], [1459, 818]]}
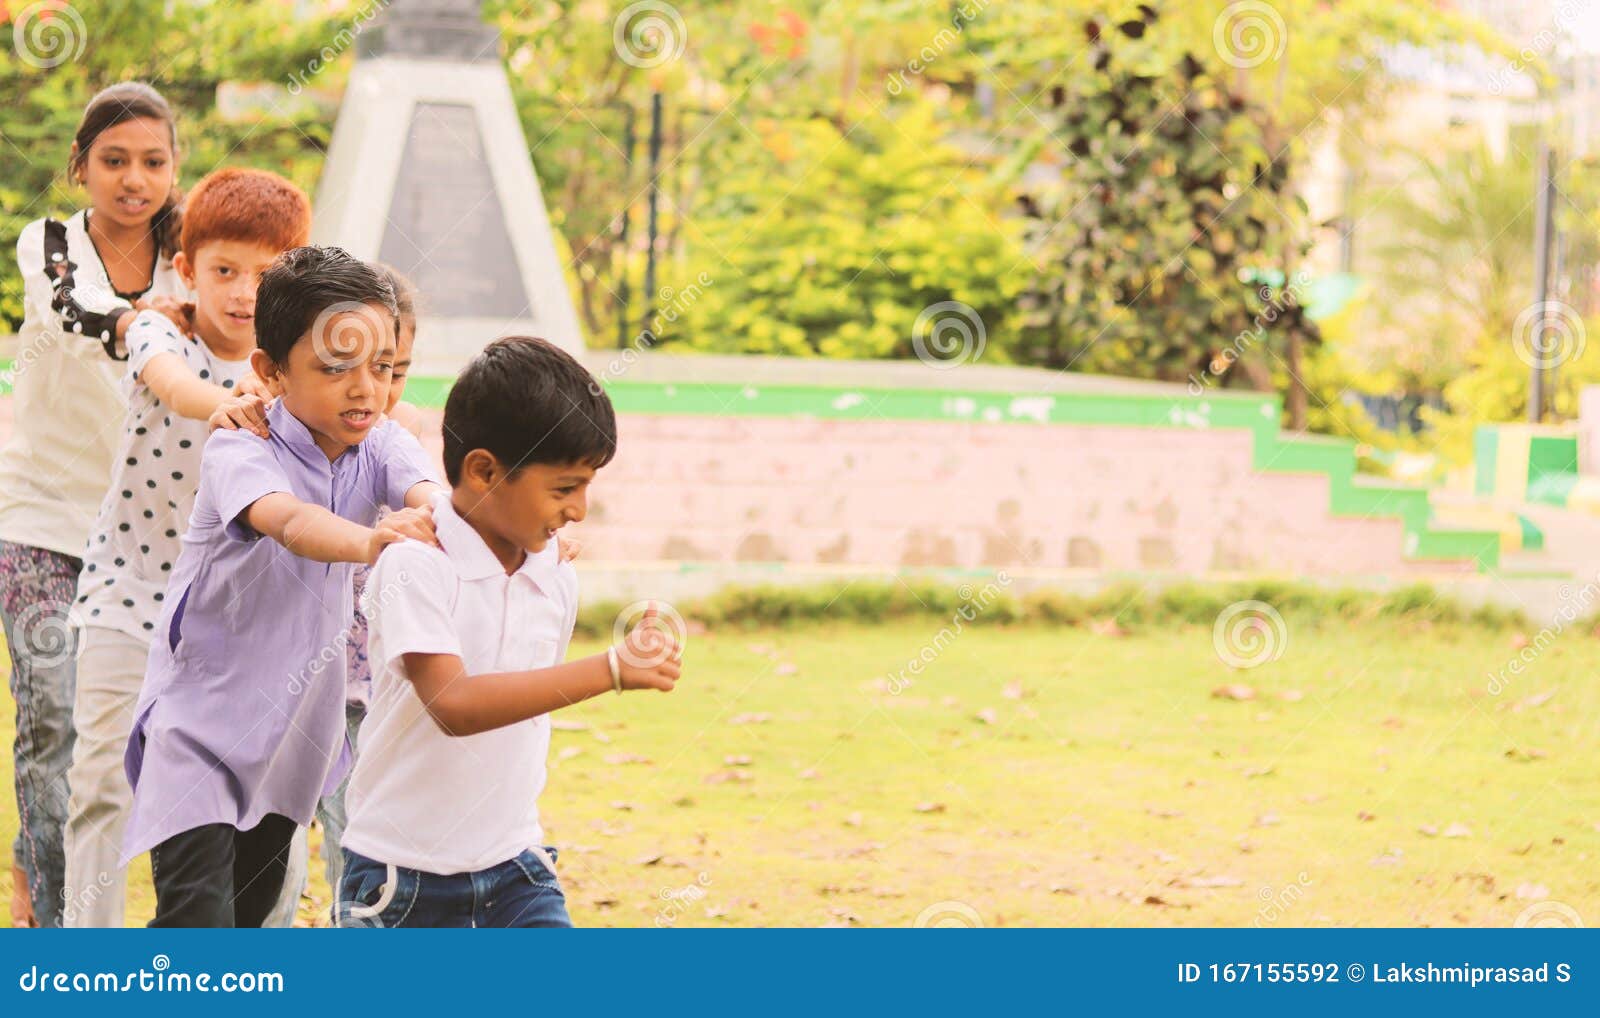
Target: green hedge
{"points": [[1129, 605]]}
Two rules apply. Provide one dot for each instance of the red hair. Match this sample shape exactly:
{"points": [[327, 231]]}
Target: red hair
{"points": [[253, 206]]}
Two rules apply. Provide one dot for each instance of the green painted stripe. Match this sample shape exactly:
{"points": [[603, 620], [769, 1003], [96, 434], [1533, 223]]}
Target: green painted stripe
{"points": [[1485, 459], [1532, 535], [1258, 414]]}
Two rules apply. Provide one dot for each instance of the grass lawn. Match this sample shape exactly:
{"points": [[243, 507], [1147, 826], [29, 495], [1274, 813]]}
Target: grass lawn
{"points": [[1037, 775]]}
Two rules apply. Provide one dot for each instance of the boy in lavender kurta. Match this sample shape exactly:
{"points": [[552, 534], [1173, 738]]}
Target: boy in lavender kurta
{"points": [[239, 727]]}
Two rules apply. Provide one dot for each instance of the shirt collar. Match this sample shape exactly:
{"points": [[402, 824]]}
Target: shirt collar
{"points": [[471, 556], [286, 426]]}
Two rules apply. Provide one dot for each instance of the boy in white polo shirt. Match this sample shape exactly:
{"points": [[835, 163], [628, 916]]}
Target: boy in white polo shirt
{"points": [[466, 644]]}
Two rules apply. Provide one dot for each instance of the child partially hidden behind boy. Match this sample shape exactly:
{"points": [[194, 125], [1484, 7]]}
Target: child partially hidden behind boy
{"points": [[466, 641], [238, 728]]}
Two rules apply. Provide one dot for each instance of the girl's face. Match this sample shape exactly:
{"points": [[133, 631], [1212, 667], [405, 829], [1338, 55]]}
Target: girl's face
{"points": [[130, 170], [402, 364]]}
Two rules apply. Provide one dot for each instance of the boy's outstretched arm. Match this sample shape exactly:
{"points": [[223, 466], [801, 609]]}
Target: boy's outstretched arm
{"points": [[179, 388], [462, 704], [313, 532]]}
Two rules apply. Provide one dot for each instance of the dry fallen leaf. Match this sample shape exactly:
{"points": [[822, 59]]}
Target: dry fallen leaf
{"points": [[929, 807], [1525, 755], [810, 774], [1205, 883], [1458, 830], [853, 820], [987, 716], [1107, 627], [1428, 830], [1532, 892], [1519, 641], [1234, 691], [736, 761], [787, 668], [725, 777], [568, 752], [617, 759], [1268, 820], [1364, 816], [750, 719], [1536, 700], [1013, 691], [624, 806], [1291, 696], [564, 725]]}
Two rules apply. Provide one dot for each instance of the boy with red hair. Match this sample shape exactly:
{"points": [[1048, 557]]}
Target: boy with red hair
{"points": [[235, 223]]}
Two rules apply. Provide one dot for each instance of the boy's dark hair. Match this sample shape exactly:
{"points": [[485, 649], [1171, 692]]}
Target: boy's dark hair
{"points": [[305, 282], [526, 400]]}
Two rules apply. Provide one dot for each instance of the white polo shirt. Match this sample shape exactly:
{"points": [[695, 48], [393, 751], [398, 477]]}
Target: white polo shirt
{"points": [[452, 804]]}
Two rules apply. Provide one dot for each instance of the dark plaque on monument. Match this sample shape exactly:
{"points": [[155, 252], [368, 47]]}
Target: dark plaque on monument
{"points": [[437, 29], [446, 228]]}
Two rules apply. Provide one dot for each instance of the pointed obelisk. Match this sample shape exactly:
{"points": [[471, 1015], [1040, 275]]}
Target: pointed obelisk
{"points": [[429, 171]]}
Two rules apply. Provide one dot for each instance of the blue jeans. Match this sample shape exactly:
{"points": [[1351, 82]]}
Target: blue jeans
{"points": [[37, 588], [520, 892]]}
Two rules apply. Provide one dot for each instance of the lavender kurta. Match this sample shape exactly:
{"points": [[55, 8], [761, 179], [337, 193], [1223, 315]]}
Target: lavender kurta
{"points": [[242, 709]]}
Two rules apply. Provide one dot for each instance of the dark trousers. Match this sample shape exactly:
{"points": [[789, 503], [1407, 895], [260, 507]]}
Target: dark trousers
{"points": [[218, 875]]}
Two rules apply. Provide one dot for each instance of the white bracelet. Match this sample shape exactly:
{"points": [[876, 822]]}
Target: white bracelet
{"points": [[616, 669]]}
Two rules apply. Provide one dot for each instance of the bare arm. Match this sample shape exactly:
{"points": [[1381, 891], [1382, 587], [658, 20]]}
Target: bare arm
{"points": [[181, 389], [462, 704], [313, 532], [421, 494]]}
